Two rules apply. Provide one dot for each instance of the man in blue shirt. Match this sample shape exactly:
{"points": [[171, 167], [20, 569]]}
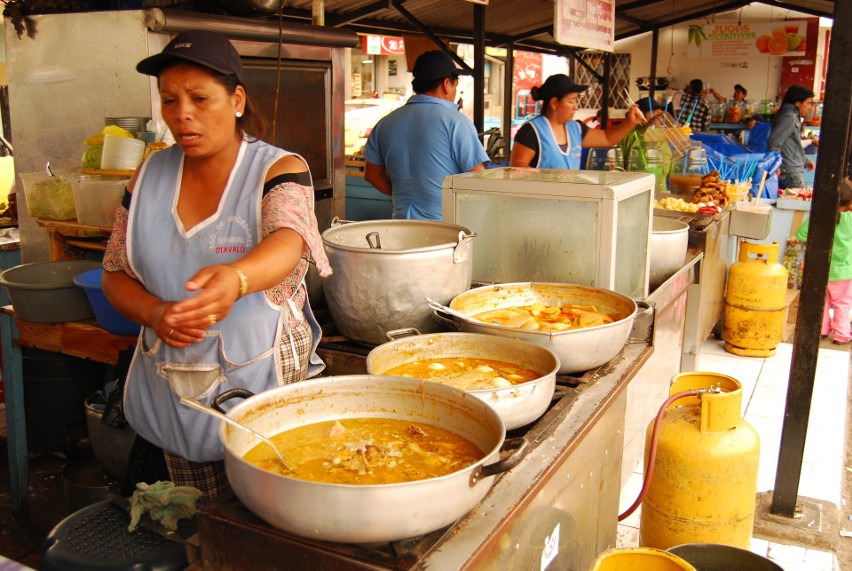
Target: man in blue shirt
{"points": [[411, 150]]}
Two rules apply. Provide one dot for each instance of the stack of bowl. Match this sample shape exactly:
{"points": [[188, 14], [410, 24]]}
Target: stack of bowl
{"points": [[121, 153]]}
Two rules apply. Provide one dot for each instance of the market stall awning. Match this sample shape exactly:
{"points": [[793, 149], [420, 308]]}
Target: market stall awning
{"points": [[527, 23]]}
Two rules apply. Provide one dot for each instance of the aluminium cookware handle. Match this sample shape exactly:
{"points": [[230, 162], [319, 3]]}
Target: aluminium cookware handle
{"points": [[646, 311], [374, 241], [228, 395], [337, 221], [395, 334], [519, 446], [461, 253]]}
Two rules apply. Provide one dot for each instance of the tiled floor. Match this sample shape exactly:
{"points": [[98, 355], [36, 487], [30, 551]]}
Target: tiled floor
{"points": [[764, 383]]}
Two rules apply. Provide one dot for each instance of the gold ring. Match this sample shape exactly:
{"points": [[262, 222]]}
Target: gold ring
{"points": [[212, 318], [172, 330]]}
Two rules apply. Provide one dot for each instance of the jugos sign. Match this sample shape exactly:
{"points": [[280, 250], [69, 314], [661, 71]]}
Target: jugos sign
{"points": [[780, 38]]}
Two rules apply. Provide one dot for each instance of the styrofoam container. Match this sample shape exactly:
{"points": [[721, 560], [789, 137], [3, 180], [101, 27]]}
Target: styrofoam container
{"points": [[44, 292], [49, 196], [106, 315], [96, 198]]}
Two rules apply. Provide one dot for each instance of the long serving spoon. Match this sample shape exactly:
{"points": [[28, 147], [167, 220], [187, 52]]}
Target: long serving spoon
{"points": [[213, 412]]}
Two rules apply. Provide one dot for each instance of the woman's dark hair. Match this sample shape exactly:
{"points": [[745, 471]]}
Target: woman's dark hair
{"points": [[427, 85], [797, 94], [251, 122]]}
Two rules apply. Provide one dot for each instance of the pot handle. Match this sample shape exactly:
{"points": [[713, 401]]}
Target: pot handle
{"points": [[337, 221], [643, 323], [461, 253], [395, 334], [446, 321], [520, 446], [228, 395]]}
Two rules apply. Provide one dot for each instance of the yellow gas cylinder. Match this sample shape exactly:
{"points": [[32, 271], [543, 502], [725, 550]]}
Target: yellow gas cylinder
{"points": [[754, 301], [704, 483]]}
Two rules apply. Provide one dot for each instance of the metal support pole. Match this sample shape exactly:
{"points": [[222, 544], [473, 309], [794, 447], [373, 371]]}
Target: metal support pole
{"points": [[607, 73], [655, 45], [834, 136], [479, 67], [508, 97]]}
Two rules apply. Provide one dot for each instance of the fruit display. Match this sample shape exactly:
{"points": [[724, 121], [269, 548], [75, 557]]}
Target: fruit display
{"points": [[806, 193]]}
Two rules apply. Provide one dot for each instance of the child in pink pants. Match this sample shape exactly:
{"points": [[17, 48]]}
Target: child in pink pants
{"points": [[838, 295]]}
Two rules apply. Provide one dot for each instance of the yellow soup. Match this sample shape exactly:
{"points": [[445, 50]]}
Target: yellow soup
{"points": [[468, 373], [367, 451]]}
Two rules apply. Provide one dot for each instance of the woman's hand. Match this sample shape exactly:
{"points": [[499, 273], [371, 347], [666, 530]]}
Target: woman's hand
{"points": [[634, 115], [171, 329], [218, 288]]}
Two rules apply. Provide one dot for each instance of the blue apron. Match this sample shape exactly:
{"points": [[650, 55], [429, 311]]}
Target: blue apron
{"points": [[550, 156]]}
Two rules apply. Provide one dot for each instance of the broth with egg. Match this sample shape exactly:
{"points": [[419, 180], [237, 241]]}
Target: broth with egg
{"points": [[367, 451], [467, 373]]}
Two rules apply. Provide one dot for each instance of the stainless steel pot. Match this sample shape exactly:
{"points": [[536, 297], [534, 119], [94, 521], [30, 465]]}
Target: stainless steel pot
{"points": [[518, 405], [371, 513], [669, 241], [577, 349], [384, 270]]}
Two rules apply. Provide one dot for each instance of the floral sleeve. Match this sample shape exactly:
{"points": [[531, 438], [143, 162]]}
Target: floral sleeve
{"points": [[115, 258]]}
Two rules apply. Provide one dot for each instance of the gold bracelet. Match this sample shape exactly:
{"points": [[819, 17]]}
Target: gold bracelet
{"points": [[243, 280]]}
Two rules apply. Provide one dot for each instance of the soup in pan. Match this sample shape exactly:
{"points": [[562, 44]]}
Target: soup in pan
{"points": [[367, 451], [539, 317], [467, 373]]}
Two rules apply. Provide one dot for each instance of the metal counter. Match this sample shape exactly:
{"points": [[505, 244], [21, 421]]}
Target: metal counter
{"points": [[558, 507]]}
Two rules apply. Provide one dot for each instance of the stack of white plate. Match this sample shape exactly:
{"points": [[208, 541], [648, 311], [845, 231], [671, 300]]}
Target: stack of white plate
{"points": [[132, 124], [121, 153]]}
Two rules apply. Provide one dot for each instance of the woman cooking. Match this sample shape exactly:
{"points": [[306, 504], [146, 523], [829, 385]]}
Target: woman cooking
{"points": [[553, 139], [209, 253]]}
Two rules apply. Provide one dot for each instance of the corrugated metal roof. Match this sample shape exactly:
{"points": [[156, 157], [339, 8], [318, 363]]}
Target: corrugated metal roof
{"points": [[528, 23]]}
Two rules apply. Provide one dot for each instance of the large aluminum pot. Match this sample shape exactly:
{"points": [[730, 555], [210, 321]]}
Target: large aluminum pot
{"points": [[517, 405], [578, 349], [669, 241], [370, 513], [384, 270]]}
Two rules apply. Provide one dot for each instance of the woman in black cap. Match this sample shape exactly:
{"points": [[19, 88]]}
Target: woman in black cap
{"points": [[210, 255], [553, 139]]}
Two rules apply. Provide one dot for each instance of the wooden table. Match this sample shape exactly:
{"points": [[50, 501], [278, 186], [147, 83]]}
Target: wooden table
{"points": [[79, 339], [64, 233]]}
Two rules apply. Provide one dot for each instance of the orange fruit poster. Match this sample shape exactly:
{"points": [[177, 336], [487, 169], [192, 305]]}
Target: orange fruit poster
{"points": [[780, 38]]}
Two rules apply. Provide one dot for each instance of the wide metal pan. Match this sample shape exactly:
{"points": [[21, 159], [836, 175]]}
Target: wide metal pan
{"points": [[517, 405], [366, 513], [577, 349]]}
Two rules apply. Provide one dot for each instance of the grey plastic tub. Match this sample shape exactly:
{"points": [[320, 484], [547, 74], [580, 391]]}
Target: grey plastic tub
{"points": [[44, 292]]}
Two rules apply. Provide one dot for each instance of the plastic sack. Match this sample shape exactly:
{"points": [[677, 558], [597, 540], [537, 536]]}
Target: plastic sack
{"points": [[770, 163]]}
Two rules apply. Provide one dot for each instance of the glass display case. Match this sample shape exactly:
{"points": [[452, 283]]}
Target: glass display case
{"points": [[549, 225]]}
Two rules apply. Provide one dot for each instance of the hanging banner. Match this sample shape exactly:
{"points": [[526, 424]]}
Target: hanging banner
{"points": [[585, 24], [382, 45], [787, 38]]}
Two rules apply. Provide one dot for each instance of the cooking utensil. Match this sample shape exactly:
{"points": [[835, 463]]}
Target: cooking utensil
{"points": [[668, 245], [213, 412], [47, 169], [383, 269], [367, 513], [517, 405], [578, 349], [449, 310]]}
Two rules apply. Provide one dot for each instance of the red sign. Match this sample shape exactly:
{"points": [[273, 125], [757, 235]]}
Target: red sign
{"points": [[382, 45]]}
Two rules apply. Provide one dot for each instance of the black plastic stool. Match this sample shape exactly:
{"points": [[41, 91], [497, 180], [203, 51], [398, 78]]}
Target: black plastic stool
{"points": [[96, 538]]}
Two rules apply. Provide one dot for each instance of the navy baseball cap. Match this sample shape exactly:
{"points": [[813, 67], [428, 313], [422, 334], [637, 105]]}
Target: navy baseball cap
{"points": [[202, 47], [436, 64]]}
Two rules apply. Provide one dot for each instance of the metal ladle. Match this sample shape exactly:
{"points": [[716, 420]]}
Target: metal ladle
{"points": [[213, 412], [47, 168], [448, 310]]}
